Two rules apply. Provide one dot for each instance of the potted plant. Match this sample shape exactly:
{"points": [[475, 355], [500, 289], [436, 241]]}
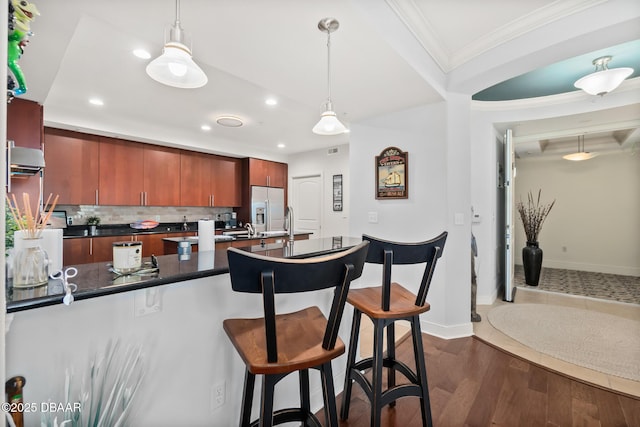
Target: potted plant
{"points": [[533, 214], [93, 222]]}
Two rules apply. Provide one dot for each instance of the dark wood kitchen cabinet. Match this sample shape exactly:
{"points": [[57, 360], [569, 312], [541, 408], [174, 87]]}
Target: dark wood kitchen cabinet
{"points": [[86, 250], [71, 168], [77, 251], [138, 174], [209, 180], [161, 176], [25, 129], [267, 173], [121, 172], [226, 183]]}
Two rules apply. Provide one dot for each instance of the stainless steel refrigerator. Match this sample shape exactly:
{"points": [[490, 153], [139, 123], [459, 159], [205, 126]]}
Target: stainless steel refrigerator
{"points": [[267, 208]]}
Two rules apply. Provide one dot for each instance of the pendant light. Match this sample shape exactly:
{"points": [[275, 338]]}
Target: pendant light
{"points": [[329, 123], [175, 67], [603, 80], [581, 154]]}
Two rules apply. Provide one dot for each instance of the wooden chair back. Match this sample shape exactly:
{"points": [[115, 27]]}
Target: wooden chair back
{"points": [[388, 253], [255, 273]]}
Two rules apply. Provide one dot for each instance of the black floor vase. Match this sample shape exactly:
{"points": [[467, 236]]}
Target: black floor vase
{"points": [[532, 263]]}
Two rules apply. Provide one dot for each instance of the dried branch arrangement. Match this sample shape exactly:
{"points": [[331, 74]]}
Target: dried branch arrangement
{"points": [[533, 215], [29, 221]]}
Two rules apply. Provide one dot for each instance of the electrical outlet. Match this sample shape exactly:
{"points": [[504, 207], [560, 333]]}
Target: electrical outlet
{"points": [[373, 217], [218, 395], [147, 301]]}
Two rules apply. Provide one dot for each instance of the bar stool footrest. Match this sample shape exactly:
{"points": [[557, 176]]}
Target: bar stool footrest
{"points": [[289, 415], [397, 365]]}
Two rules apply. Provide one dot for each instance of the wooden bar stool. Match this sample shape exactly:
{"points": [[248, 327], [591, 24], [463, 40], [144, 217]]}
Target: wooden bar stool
{"points": [[385, 305], [277, 345]]}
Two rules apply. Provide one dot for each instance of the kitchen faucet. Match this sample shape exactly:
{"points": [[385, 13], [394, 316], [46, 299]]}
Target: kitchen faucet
{"points": [[250, 229]]}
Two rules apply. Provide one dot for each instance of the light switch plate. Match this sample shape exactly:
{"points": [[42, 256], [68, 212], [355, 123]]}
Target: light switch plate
{"points": [[373, 217]]}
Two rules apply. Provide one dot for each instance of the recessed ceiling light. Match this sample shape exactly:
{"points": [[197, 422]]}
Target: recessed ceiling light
{"points": [[205, 127], [96, 101], [141, 53], [229, 121], [281, 145], [271, 101]]}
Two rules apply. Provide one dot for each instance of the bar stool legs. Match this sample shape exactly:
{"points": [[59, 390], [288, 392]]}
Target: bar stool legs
{"points": [[373, 390]]}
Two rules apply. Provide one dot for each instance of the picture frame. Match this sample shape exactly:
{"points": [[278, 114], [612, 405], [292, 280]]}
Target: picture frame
{"points": [[337, 193], [392, 174]]}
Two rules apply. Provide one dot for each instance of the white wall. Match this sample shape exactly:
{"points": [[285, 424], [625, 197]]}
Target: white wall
{"points": [[185, 350], [318, 162], [485, 117], [595, 222], [438, 183]]}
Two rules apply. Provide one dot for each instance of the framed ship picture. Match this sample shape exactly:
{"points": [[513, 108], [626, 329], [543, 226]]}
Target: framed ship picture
{"points": [[392, 174]]}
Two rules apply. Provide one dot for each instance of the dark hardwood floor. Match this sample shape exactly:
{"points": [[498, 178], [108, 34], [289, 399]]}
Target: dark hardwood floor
{"points": [[474, 384]]}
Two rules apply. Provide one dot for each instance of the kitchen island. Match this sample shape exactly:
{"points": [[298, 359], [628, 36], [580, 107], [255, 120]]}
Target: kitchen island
{"points": [[176, 320]]}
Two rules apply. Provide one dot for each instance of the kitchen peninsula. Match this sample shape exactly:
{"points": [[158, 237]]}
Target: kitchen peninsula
{"points": [[175, 318], [96, 279]]}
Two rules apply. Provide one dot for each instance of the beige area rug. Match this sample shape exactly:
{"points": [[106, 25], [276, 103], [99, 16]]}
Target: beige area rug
{"points": [[598, 341]]}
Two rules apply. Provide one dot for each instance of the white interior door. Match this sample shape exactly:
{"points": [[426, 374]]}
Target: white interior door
{"points": [[307, 204], [509, 176]]}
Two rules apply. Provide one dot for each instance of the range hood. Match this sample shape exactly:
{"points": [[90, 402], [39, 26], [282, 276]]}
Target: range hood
{"points": [[25, 161]]}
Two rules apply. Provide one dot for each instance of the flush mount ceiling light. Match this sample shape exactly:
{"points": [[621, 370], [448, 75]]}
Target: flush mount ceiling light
{"points": [[581, 154], [603, 80], [175, 67], [329, 123], [229, 121]]}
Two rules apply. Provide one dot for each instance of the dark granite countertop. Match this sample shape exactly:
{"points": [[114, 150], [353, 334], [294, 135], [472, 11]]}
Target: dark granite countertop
{"points": [[76, 231], [95, 280]]}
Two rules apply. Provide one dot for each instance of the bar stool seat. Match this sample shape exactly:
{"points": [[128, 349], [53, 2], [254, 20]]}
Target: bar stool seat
{"points": [[402, 303], [277, 345], [299, 338], [385, 305]]}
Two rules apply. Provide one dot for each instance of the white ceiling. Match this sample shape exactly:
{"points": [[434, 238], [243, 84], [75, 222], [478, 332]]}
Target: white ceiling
{"points": [[388, 55]]}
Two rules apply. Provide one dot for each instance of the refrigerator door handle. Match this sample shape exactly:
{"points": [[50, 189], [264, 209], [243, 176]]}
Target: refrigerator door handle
{"points": [[267, 216]]}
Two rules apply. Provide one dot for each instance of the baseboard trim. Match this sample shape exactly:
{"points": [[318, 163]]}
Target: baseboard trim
{"points": [[448, 332]]}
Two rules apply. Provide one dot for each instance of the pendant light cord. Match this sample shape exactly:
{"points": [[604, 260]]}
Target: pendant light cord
{"points": [[329, 68]]}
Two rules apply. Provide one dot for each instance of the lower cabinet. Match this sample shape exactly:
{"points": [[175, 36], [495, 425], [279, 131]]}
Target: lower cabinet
{"points": [[85, 250]]}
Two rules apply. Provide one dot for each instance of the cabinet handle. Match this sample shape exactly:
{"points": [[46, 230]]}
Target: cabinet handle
{"points": [[90, 246], [268, 181], [97, 198], [213, 200], [146, 201]]}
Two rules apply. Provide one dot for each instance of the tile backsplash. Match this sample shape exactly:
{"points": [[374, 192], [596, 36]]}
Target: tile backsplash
{"points": [[129, 214]]}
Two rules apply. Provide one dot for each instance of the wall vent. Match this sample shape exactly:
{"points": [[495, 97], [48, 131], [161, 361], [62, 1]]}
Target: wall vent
{"points": [[333, 150]]}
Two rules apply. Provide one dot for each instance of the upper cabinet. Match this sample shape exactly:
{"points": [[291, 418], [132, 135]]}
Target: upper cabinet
{"points": [[138, 174], [94, 170], [267, 173], [121, 173], [226, 184], [71, 169], [161, 176], [209, 180], [25, 128]]}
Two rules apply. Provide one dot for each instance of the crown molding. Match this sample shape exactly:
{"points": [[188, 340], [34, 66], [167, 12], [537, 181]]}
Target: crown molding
{"points": [[418, 24]]}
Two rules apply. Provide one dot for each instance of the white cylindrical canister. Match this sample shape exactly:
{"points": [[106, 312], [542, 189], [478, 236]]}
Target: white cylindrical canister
{"points": [[127, 256]]}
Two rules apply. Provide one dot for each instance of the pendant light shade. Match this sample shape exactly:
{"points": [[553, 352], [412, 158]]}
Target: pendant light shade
{"points": [[175, 67], [603, 80], [329, 123], [580, 154]]}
